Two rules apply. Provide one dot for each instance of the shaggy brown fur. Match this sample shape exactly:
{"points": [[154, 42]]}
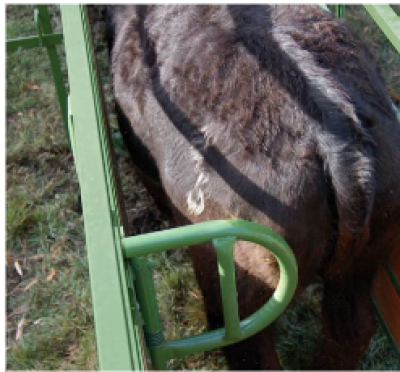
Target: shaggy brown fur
{"points": [[275, 114]]}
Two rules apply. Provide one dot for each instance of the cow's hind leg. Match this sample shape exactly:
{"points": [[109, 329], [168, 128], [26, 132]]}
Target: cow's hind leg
{"points": [[348, 323], [255, 353]]}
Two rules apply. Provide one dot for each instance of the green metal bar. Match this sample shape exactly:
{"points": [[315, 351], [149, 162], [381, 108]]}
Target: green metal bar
{"points": [[387, 20], [179, 237], [34, 42], [203, 232], [339, 10], [43, 19], [146, 294], [147, 298], [226, 267], [118, 327]]}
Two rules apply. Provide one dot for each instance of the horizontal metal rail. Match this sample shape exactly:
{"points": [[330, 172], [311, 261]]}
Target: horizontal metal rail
{"points": [[30, 42], [223, 235]]}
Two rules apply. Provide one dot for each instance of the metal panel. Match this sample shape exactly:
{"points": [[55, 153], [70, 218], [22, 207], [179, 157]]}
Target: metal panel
{"points": [[118, 333]]}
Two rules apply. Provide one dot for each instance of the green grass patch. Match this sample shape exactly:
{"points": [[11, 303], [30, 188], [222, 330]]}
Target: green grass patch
{"points": [[22, 216], [49, 311]]}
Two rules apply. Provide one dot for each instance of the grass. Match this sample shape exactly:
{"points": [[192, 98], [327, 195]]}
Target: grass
{"points": [[50, 302], [49, 311]]}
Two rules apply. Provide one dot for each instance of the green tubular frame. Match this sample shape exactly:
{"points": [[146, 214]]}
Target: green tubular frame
{"points": [[223, 235], [46, 38], [30, 42], [339, 10], [117, 320]]}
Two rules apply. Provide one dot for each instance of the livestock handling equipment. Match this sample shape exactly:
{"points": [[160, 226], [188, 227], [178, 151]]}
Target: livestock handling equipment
{"points": [[129, 331]]}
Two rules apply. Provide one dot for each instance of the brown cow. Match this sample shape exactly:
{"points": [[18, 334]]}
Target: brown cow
{"points": [[275, 114]]}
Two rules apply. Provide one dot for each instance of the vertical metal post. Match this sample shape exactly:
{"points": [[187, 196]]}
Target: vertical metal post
{"points": [[147, 298], [44, 23], [226, 268], [118, 330], [339, 10]]}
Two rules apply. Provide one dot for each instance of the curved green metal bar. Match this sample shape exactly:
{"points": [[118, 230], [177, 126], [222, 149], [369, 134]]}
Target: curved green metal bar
{"points": [[135, 247]]}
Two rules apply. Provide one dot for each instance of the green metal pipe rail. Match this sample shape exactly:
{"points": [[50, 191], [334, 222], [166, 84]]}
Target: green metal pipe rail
{"points": [[127, 322], [223, 235]]}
